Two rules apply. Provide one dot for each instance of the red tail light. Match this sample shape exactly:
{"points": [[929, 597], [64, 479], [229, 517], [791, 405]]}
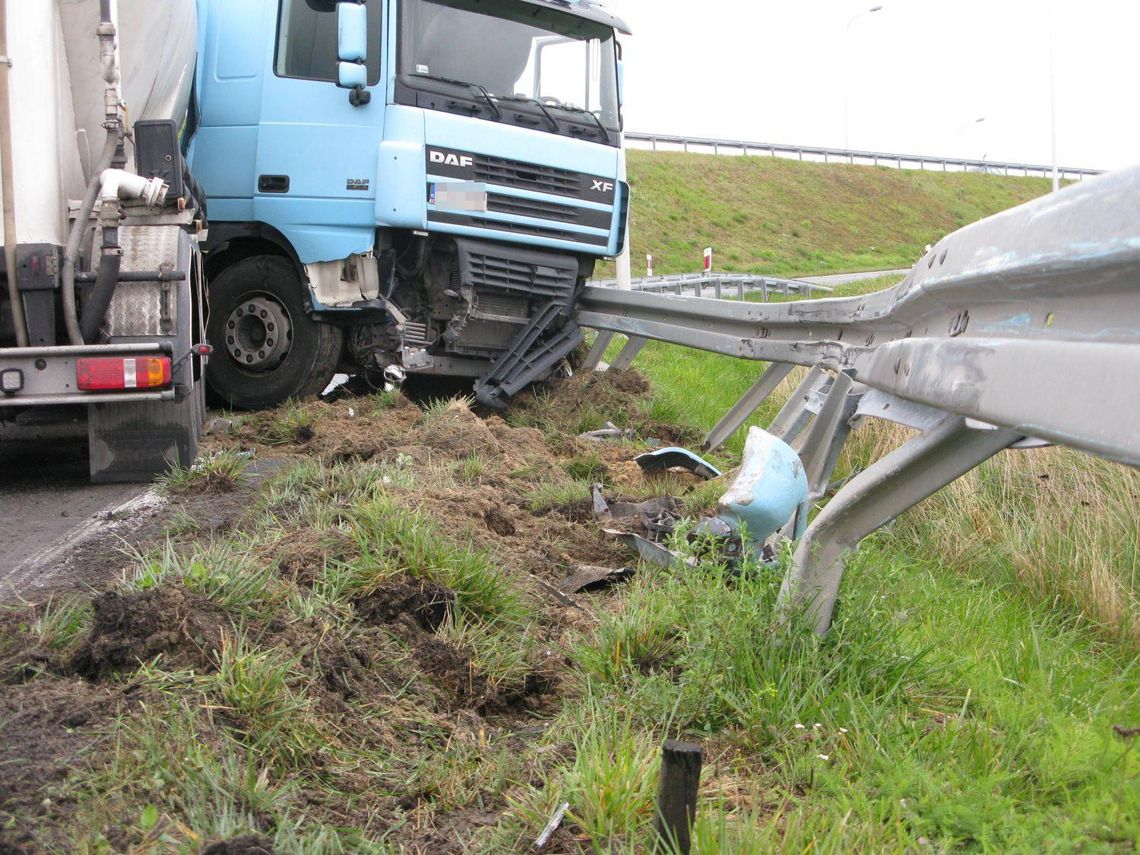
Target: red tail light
{"points": [[113, 373]]}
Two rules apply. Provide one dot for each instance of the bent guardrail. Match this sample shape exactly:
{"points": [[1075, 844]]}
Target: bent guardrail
{"points": [[1023, 327], [722, 285]]}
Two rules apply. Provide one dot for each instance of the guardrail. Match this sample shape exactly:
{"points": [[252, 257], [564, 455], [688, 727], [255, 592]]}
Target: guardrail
{"points": [[722, 285], [1023, 328], [665, 142]]}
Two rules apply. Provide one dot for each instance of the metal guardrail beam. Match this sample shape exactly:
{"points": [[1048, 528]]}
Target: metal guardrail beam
{"points": [[1026, 324], [875, 158], [722, 285]]}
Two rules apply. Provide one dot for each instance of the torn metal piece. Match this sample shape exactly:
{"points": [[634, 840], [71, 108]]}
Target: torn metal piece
{"points": [[657, 514], [601, 506], [674, 457], [557, 594], [647, 550], [587, 577], [552, 826], [610, 433]]}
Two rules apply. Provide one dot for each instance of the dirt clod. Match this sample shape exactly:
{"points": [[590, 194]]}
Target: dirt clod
{"points": [[132, 628], [426, 603], [246, 844]]}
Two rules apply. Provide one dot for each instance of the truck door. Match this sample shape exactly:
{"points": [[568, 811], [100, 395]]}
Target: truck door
{"points": [[317, 152]]}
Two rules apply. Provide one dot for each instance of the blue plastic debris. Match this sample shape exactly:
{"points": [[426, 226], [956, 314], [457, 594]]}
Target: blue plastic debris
{"points": [[770, 487], [668, 458]]}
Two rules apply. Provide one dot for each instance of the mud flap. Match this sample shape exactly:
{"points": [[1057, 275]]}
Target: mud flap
{"points": [[137, 441]]}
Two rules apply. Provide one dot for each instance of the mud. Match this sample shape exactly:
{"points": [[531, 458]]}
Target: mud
{"points": [[389, 678], [48, 729], [302, 555], [129, 629], [246, 844], [427, 604]]}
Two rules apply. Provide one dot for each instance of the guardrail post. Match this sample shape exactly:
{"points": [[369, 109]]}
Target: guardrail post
{"points": [[828, 432], [749, 402], [740, 290], [716, 288], [677, 796], [628, 353], [874, 497], [794, 414]]}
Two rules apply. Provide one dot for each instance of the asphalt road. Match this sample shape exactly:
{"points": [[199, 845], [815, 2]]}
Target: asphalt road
{"points": [[844, 278], [47, 507]]}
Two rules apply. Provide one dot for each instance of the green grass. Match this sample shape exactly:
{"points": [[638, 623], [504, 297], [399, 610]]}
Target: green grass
{"points": [[783, 217], [937, 711], [221, 472]]}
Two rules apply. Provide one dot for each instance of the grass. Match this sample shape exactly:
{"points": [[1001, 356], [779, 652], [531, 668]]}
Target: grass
{"points": [[786, 218], [213, 473]]}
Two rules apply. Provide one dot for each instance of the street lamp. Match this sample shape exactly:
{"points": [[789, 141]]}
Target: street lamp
{"points": [[846, 85], [969, 124]]}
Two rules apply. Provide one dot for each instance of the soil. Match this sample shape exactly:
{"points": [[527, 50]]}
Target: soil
{"points": [[50, 727], [56, 711], [129, 629], [246, 844]]}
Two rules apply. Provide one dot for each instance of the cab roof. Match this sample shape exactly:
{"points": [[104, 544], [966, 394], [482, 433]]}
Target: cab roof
{"points": [[588, 9]]}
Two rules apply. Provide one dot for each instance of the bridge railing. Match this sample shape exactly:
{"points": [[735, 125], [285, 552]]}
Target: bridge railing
{"points": [[666, 142]]}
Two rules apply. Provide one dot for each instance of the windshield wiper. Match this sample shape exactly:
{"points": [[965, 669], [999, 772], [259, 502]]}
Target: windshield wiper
{"points": [[475, 86], [569, 109], [554, 126]]}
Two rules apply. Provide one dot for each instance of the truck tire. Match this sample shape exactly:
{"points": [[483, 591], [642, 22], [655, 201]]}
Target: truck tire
{"points": [[267, 348]]}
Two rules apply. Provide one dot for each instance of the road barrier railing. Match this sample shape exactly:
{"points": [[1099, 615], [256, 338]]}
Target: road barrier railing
{"points": [[1021, 329], [667, 142], [719, 285]]}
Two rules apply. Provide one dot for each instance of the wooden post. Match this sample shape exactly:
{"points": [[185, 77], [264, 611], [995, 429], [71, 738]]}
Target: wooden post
{"points": [[677, 795]]}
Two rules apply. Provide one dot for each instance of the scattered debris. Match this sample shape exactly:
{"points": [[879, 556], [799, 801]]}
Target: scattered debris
{"points": [[674, 457], [1126, 732], [770, 488], [610, 433], [649, 551], [552, 826], [657, 516], [589, 577], [217, 426]]}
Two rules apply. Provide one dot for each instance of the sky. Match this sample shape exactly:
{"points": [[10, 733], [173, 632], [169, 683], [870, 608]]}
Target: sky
{"points": [[919, 73]]}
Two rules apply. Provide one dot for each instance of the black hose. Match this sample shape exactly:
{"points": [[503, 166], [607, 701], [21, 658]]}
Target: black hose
{"points": [[106, 279], [70, 312]]}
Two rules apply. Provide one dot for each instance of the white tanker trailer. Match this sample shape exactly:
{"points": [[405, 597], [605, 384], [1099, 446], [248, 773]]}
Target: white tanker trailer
{"points": [[103, 307]]}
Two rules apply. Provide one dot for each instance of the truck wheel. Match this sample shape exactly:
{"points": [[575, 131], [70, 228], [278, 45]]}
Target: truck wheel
{"points": [[267, 348]]}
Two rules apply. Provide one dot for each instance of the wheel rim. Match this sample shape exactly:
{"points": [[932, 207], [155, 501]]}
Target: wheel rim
{"points": [[258, 333]]}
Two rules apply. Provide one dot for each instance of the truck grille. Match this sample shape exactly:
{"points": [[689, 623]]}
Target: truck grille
{"points": [[528, 176], [501, 204], [536, 275]]}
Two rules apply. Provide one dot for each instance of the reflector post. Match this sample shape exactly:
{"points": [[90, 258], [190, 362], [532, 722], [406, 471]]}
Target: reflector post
{"points": [[122, 374]]}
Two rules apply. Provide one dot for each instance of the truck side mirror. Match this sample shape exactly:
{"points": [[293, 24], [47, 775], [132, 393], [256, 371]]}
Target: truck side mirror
{"points": [[352, 50]]}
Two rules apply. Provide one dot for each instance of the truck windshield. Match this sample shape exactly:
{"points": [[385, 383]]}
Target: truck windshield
{"points": [[515, 52]]}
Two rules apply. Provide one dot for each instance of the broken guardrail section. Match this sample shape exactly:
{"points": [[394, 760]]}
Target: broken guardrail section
{"points": [[1021, 329]]}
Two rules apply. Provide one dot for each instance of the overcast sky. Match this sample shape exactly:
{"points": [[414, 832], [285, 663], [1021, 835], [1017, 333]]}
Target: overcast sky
{"points": [[920, 73]]}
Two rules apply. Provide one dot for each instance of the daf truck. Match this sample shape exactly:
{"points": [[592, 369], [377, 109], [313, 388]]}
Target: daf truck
{"points": [[403, 186], [392, 187]]}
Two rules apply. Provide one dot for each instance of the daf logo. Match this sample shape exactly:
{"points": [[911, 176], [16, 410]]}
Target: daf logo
{"points": [[450, 159], [603, 186]]}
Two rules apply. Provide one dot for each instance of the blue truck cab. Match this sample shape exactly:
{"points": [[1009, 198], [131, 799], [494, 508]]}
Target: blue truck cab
{"points": [[402, 186]]}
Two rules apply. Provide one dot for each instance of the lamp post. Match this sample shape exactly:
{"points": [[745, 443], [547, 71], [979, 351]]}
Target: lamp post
{"points": [[970, 124], [1053, 102], [846, 85]]}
